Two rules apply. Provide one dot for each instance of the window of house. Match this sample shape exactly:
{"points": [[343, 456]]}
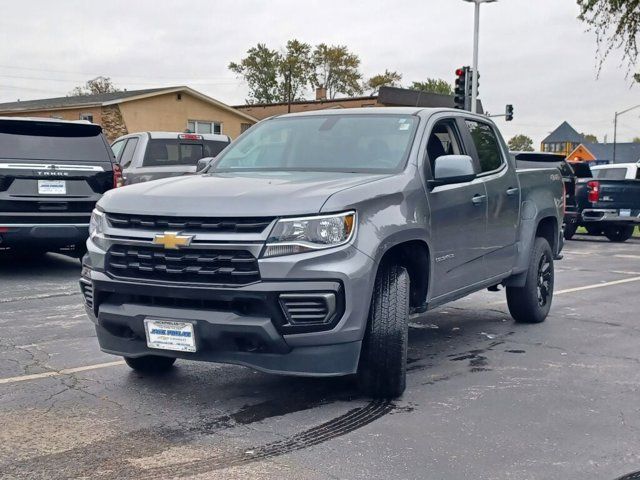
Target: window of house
{"points": [[200, 126], [487, 145], [86, 116]]}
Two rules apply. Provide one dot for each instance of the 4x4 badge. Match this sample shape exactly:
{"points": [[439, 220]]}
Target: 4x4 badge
{"points": [[172, 240]]}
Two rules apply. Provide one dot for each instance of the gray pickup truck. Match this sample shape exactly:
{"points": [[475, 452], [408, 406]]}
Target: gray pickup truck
{"points": [[146, 156], [306, 245]]}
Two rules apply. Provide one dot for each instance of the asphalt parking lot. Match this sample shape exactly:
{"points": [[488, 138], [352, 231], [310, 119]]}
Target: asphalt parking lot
{"points": [[486, 399]]}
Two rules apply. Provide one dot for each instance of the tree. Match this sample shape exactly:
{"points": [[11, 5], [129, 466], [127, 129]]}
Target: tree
{"points": [[386, 79], [616, 24], [337, 70], [260, 69], [94, 87], [589, 138], [521, 143], [636, 140], [296, 71], [433, 85]]}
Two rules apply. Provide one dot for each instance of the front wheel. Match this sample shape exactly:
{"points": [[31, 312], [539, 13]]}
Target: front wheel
{"points": [[150, 363], [532, 302], [619, 233], [382, 371]]}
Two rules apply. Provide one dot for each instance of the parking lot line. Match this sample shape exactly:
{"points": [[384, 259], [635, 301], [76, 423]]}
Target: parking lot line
{"points": [[57, 373], [597, 285], [68, 371]]}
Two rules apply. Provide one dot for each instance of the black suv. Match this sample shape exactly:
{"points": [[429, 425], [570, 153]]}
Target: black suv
{"points": [[52, 173]]}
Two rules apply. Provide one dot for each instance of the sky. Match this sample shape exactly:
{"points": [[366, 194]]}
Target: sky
{"points": [[534, 54]]}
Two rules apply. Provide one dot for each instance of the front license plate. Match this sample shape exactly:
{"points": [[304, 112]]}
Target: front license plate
{"points": [[52, 187], [168, 335], [626, 212]]}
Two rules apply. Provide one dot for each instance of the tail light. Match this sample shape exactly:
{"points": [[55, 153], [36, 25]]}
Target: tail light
{"points": [[117, 176], [593, 191]]}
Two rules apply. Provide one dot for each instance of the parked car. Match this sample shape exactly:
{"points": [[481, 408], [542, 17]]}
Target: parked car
{"points": [[570, 174], [617, 171], [152, 155], [609, 206], [52, 173], [304, 249]]}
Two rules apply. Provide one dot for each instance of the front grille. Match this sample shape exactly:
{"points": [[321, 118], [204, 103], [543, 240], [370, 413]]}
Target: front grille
{"points": [[308, 309], [224, 267], [87, 292], [222, 224]]}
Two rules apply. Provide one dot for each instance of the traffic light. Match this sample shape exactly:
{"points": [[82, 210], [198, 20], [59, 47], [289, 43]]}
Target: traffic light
{"points": [[461, 88], [509, 113], [471, 75]]}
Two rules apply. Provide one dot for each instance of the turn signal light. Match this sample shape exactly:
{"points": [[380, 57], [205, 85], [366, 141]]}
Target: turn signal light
{"points": [[593, 191]]}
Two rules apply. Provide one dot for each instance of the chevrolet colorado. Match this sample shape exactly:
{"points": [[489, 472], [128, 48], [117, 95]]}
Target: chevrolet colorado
{"points": [[306, 245]]}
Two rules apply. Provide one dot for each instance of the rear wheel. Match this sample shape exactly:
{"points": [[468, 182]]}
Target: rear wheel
{"points": [[383, 361], [619, 233], [150, 363], [570, 230], [532, 302]]}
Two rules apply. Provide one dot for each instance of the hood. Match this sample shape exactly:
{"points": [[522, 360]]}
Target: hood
{"points": [[248, 194]]}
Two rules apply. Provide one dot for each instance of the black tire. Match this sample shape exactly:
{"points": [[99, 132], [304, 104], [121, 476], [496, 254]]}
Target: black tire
{"points": [[150, 363], [619, 233], [382, 370], [570, 230], [531, 303]]}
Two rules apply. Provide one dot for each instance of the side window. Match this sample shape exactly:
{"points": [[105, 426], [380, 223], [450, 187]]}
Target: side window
{"points": [[443, 140], [127, 154], [117, 148], [487, 146]]}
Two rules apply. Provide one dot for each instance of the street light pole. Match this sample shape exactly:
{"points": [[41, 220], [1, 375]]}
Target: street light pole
{"points": [[615, 128], [476, 35], [476, 39]]}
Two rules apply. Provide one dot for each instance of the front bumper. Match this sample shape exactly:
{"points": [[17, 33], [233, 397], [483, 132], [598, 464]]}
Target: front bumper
{"points": [[611, 215], [241, 325]]}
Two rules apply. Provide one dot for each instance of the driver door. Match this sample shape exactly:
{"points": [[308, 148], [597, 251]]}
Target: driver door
{"points": [[458, 218]]}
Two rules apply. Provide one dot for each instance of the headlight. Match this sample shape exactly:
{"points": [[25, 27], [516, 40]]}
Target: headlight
{"points": [[304, 234], [96, 224]]}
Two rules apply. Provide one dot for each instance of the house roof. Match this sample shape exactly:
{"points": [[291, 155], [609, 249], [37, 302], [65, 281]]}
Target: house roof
{"points": [[625, 152], [564, 133], [104, 99]]}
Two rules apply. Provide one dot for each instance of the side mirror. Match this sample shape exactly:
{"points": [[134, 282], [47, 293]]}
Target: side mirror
{"points": [[450, 169], [204, 163]]}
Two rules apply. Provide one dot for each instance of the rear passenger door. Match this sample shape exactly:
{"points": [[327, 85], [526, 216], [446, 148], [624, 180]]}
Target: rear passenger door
{"points": [[503, 196], [458, 217]]}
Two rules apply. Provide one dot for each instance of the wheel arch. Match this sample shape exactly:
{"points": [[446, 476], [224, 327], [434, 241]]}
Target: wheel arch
{"points": [[545, 226], [415, 256]]}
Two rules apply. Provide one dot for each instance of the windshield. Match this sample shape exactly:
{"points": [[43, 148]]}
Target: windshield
{"points": [[69, 142], [169, 153], [340, 143], [610, 173]]}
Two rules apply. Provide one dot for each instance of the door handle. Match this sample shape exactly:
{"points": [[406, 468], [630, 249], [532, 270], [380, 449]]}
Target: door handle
{"points": [[512, 191], [478, 199]]}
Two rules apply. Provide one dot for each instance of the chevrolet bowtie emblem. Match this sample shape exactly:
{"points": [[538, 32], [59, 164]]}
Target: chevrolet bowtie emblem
{"points": [[172, 240]]}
